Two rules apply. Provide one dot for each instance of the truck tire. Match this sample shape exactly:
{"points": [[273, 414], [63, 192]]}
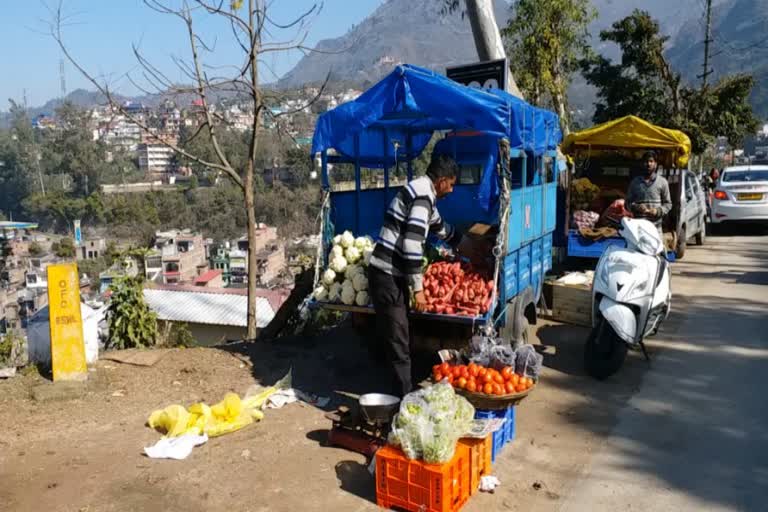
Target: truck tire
{"points": [[604, 351], [682, 242]]}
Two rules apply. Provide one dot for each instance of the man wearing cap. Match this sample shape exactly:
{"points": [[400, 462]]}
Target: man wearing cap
{"points": [[648, 195]]}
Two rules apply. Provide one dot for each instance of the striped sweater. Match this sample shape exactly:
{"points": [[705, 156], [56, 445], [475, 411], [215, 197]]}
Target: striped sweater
{"points": [[411, 216]]}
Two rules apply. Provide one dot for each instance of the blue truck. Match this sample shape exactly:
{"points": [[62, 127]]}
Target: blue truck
{"points": [[506, 151]]}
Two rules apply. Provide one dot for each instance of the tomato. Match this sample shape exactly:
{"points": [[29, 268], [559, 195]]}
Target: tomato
{"points": [[482, 371], [520, 387], [465, 372], [515, 379], [507, 372], [436, 368], [437, 376], [497, 389], [498, 379], [471, 386], [488, 388], [474, 371], [528, 382], [462, 382], [449, 378], [444, 368], [509, 388], [456, 372], [487, 378]]}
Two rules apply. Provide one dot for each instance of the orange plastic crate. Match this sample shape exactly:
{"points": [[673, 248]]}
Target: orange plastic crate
{"points": [[479, 459], [414, 485]]}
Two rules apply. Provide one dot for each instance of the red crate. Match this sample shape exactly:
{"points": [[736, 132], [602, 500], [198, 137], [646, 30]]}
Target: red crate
{"points": [[414, 485], [480, 451]]}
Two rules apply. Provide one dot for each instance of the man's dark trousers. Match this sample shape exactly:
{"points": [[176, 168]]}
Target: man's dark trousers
{"points": [[390, 297]]}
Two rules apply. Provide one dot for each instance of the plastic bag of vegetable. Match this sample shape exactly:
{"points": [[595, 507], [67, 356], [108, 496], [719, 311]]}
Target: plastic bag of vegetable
{"points": [[430, 422], [528, 362], [501, 356]]}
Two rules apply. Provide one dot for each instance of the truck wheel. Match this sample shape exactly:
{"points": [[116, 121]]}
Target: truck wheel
{"points": [[682, 242], [604, 351]]}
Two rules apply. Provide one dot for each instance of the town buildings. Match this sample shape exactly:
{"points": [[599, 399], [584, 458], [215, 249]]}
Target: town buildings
{"points": [[177, 256]]}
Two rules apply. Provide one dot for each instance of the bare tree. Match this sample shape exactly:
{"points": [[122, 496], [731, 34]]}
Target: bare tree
{"points": [[250, 29]]}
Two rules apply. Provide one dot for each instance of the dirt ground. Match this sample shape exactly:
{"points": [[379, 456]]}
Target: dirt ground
{"points": [[82, 451]]}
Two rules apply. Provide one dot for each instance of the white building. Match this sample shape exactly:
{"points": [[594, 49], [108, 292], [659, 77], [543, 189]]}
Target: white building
{"points": [[155, 158]]}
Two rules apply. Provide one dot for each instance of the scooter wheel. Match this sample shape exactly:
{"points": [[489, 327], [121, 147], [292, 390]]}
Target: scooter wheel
{"points": [[604, 351]]}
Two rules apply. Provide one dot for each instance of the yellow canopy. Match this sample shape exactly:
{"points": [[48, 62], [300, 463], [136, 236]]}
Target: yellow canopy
{"points": [[630, 136]]}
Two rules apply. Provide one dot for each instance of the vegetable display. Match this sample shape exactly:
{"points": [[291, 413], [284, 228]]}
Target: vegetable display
{"points": [[345, 281], [430, 422], [479, 379], [456, 289]]}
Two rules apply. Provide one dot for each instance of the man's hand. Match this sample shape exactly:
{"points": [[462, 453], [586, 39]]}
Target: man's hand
{"points": [[419, 301]]}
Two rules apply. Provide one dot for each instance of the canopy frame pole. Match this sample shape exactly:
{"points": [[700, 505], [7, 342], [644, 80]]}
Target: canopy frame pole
{"points": [[409, 156], [357, 184], [386, 167], [324, 169]]}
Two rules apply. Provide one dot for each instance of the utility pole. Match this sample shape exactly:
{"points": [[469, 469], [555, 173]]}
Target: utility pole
{"points": [[707, 40], [487, 36]]}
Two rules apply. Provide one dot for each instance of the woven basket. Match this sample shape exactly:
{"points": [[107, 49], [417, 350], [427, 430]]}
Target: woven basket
{"points": [[494, 402]]}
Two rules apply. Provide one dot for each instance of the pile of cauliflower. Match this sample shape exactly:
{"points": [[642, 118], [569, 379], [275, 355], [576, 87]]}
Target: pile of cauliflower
{"points": [[344, 280]]}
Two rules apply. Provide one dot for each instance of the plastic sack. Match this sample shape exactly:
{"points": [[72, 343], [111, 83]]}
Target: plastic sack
{"points": [[229, 415], [430, 422], [480, 350], [501, 356], [528, 362]]}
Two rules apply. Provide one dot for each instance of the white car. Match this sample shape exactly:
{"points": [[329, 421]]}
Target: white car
{"points": [[741, 194]]}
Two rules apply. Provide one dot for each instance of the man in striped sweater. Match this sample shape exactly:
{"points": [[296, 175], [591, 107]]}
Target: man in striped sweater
{"points": [[395, 266]]}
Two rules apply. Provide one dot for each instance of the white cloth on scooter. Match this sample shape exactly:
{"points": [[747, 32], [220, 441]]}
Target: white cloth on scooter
{"points": [[177, 448]]}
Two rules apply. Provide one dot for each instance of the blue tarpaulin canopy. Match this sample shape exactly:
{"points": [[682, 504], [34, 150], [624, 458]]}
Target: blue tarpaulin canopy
{"points": [[401, 112]]}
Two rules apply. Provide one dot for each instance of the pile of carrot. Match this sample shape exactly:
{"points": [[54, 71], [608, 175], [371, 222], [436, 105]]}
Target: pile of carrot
{"points": [[455, 288]]}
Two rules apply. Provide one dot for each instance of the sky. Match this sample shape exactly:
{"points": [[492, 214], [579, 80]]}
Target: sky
{"points": [[99, 34]]}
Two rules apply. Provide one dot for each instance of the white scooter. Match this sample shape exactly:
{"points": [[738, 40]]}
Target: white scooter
{"points": [[631, 296]]}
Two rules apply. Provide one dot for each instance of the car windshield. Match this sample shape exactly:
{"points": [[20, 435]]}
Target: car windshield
{"points": [[751, 175]]}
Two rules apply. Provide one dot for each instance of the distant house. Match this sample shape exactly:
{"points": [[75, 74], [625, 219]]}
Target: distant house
{"points": [[92, 249], [210, 279], [212, 315], [178, 256]]}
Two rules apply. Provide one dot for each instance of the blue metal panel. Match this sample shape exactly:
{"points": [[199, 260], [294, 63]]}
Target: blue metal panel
{"points": [[550, 207], [524, 267], [516, 218], [536, 265], [585, 248], [343, 210], [546, 253], [462, 209], [509, 287]]}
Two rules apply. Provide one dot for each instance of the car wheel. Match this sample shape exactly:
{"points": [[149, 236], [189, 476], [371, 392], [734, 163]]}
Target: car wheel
{"points": [[701, 236], [681, 243]]}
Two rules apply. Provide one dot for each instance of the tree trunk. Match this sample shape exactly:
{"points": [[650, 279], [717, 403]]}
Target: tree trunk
{"points": [[250, 207], [487, 37], [559, 104]]}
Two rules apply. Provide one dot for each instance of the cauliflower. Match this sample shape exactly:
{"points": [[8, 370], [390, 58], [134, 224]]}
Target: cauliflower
{"points": [[353, 254], [334, 292], [352, 270], [320, 293], [369, 242], [347, 239], [338, 264], [348, 294], [361, 243], [360, 282], [337, 240], [329, 276], [337, 250], [361, 299], [367, 253]]}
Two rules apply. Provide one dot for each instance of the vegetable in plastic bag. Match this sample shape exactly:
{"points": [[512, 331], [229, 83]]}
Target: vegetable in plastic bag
{"points": [[528, 362], [362, 298], [348, 293], [360, 282], [338, 264], [334, 292], [501, 356], [320, 293]]}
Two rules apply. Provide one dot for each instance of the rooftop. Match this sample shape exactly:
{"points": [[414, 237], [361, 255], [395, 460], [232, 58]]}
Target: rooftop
{"points": [[206, 306], [207, 276]]}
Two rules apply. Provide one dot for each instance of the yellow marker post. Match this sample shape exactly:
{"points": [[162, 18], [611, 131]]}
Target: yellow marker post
{"points": [[67, 343]]}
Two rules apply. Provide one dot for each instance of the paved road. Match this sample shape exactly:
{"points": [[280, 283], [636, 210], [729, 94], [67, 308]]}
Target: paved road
{"points": [[695, 436]]}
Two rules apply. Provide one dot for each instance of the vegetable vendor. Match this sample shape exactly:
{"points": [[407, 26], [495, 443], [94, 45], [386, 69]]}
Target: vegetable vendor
{"points": [[396, 263], [648, 196]]}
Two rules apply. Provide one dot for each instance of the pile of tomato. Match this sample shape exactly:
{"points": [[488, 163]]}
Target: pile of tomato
{"points": [[479, 379]]}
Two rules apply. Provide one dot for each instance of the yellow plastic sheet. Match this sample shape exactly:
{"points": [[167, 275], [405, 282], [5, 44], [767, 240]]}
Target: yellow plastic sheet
{"points": [[229, 415], [632, 136]]}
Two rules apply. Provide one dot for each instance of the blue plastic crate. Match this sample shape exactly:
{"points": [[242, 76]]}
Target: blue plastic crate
{"points": [[585, 248], [505, 434]]}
